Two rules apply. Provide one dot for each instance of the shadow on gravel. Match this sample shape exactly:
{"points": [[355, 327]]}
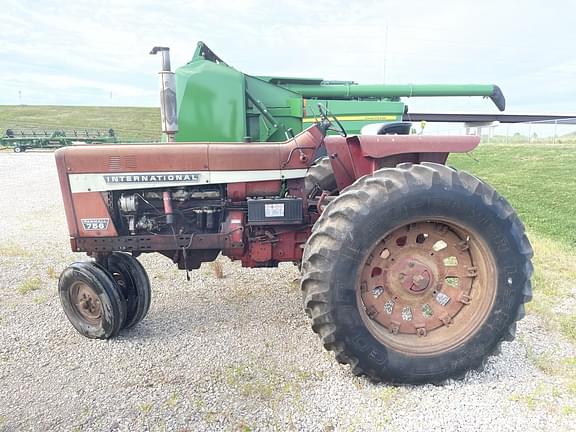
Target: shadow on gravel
{"points": [[191, 320]]}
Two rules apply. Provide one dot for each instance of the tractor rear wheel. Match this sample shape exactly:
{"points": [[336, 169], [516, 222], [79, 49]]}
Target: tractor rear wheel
{"points": [[91, 300], [134, 285], [320, 178], [416, 274]]}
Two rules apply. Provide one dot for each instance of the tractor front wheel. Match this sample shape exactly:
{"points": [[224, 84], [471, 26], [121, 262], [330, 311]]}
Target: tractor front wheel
{"points": [[134, 285], [91, 300], [416, 274]]}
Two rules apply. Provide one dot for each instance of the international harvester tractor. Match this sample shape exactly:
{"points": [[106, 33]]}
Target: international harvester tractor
{"points": [[412, 271]]}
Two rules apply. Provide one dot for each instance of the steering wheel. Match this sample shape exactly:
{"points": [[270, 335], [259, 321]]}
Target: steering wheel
{"points": [[327, 115]]}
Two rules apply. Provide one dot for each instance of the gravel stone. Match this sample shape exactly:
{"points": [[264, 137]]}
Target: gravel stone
{"points": [[235, 353]]}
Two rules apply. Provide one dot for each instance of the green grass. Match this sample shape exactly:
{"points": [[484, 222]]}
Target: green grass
{"points": [[11, 249], [538, 181], [568, 327], [145, 408], [52, 273], [554, 298], [172, 401], [556, 394], [387, 394], [29, 285], [129, 123], [260, 383]]}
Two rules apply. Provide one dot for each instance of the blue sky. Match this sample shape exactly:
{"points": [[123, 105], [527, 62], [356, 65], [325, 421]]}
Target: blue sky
{"points": [[86, 52]]}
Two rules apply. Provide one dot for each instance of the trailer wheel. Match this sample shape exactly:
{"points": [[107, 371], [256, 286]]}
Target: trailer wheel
{"points": [[134, 285], [416, 274], [91, 300]]}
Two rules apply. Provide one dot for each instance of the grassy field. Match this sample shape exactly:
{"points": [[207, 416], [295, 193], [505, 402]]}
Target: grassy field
{"points": [[537, 180], [129, 123]]}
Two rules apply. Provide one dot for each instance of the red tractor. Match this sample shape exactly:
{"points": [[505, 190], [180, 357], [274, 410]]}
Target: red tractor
{"points": [[412, 271]]}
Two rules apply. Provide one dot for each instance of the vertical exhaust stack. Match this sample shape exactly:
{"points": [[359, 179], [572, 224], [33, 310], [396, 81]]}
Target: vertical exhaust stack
{"points": [[168, 111]]}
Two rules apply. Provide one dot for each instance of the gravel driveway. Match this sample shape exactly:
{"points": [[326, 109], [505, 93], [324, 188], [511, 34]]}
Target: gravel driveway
{"points": [[215, 354]]}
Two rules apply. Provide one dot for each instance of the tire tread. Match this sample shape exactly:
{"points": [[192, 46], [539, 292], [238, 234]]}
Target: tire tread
{"points": [[327, 237]]}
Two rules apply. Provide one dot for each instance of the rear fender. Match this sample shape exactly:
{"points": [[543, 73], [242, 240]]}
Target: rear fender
{"points": [[356, 156]]}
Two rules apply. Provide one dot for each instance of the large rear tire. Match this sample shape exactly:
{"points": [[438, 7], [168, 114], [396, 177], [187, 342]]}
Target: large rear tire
{"points": [[416, 274]]}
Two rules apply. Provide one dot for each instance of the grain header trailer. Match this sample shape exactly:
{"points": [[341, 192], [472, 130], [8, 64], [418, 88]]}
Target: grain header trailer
{"points": [[24, 139]]}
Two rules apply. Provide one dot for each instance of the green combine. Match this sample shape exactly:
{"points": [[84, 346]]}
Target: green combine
{"points": [[219, 103]]}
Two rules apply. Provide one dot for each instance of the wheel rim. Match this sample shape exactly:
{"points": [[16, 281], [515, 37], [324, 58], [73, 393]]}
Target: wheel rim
{"points": [[86, 303], [120, 279], [426, 287]]}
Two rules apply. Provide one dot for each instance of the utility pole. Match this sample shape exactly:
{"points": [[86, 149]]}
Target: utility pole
{"points": [[555, 130]]}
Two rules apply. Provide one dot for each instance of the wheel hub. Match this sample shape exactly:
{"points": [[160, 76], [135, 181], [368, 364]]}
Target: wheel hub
{"points": [[418, 278], [413, 275], [86, 302]]}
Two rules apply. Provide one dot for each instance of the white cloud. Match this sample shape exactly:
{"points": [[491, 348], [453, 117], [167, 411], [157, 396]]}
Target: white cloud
{"points": [[94, 47], [69, 83]]}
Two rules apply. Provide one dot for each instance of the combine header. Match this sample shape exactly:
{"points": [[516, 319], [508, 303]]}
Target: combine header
{"points": [[23, 139]]}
